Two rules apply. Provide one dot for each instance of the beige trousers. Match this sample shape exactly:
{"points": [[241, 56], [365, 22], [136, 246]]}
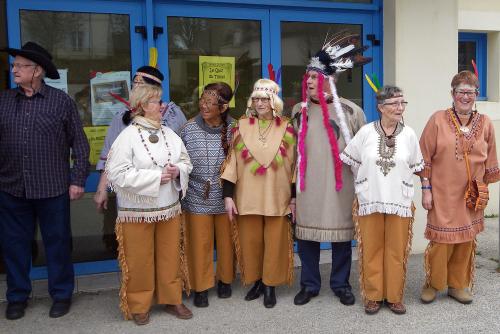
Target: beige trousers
{"points": [[266, 249], [450, 265], [384, 242], [200, 233], [150, 259]]}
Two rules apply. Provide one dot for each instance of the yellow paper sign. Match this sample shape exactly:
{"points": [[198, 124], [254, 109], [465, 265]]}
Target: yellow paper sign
{"points": [[95, 136], [217, 69]]}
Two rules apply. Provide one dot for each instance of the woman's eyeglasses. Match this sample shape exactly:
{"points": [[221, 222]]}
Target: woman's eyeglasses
{"points": [[467, 93], [396, 104], [261, 99]]}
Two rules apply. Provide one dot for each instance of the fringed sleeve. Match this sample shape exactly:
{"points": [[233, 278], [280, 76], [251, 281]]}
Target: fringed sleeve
{"points": [[428, 144], [415, 161], [352, 152], [185, 168], [138, 185], [492, 173]]}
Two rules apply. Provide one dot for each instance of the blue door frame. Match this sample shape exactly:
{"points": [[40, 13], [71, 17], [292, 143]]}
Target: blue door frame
{"points": [[151, 13], [138, 48]]}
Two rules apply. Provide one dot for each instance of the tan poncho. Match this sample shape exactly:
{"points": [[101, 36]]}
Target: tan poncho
{"points": [[323, 214]]}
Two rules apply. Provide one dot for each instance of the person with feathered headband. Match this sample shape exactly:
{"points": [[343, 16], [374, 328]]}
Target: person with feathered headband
{"points": [[258, 176], [384, 155], [325, 191], [207, 137]]}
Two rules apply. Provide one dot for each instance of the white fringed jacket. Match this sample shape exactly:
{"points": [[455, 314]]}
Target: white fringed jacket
{"points": [[384, 177], [136, 179]]}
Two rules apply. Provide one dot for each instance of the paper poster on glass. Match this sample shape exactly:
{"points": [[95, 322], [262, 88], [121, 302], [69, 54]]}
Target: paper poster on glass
{"points": [[95, 136], [104, 106], [61, 83], [217, 69]]}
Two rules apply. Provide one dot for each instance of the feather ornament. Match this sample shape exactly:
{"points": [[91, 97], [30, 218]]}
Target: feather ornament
{"points": [[153, 57], [370, 82], [475, 68]]}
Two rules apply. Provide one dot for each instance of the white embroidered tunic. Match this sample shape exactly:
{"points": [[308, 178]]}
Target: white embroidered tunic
{"points": [[383, 175], [136, 179]]}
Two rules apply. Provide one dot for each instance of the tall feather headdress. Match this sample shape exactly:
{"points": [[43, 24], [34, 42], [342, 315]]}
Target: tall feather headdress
{"points": [[339, 53]]}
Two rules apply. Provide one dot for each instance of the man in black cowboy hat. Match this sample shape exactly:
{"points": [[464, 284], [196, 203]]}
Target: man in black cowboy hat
{"points": [[38, 126]]}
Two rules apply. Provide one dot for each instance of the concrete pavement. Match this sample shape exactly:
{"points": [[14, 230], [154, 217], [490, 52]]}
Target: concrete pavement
{"points": [[98, 312]]}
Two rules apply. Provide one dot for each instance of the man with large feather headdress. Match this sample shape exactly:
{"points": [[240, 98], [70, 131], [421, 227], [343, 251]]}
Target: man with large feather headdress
{"points": [[325, 187]]}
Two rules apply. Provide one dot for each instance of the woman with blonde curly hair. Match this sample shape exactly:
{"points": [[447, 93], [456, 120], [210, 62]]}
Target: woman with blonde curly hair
{"points": [[148, 166], [258, 178]]}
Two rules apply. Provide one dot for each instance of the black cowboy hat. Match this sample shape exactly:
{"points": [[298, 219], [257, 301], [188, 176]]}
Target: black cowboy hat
{"points": [[39, 55]]}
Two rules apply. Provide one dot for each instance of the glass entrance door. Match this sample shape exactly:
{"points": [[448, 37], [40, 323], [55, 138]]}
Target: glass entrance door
{"points": [[297, 36], [84, 38], [202, 44], [250, 39]]}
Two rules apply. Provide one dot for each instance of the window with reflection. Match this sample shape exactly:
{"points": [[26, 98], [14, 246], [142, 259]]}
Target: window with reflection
{"points": [[4, 65], [4, 82], [299, 42], [83, 44], [190, 38], [473, 47]]}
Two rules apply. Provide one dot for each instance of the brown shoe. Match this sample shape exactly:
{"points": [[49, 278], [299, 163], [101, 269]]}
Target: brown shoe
{"points": [[428, 294], [397, 308], [141, 318], [461, 295], [180, 311], [372, 307]]}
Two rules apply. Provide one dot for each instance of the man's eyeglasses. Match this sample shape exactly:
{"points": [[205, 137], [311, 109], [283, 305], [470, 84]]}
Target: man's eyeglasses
{"points": [[396, 104], [19, 65], [467, 93]]}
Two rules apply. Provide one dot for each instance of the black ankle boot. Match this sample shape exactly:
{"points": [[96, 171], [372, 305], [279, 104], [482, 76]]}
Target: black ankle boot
{"points": [[201, 299], [223, 290], [269, 296], [255, 291]]}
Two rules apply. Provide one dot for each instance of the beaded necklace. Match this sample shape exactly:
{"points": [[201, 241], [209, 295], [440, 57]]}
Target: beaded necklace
{"points": [[463, 128], [139, 127]]}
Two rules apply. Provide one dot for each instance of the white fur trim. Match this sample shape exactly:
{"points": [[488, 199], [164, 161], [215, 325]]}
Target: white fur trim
{"points": [[339, 111]]}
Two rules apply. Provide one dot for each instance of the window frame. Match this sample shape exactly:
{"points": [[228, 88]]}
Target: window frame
{"points": [[481, 40]]}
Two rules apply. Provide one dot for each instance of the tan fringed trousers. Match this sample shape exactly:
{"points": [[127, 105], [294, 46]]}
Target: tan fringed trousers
{"points": [[266, 249], [384, 243], [149, 255], [450, 265], [200, 233]]}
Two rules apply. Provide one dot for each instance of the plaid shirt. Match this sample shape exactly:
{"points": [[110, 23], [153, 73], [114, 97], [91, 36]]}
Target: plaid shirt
{"points": [[36, 134]]}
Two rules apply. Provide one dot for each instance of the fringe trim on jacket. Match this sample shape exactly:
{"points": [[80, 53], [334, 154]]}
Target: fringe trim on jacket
{"points": [[148, 215], [366, 209], [323, 235]]}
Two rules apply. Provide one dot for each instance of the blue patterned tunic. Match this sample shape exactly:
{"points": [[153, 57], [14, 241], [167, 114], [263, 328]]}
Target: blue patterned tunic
{"points": [[204, 147]]}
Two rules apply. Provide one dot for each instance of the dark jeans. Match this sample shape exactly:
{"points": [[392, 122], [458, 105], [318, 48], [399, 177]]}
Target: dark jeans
{"points": [[18, 216], [310, 277]]}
